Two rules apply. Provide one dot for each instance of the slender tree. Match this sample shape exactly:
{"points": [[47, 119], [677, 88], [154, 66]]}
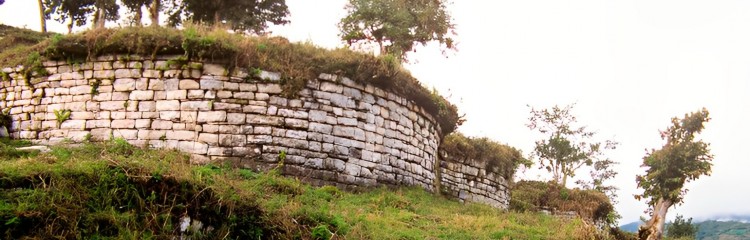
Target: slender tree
{"points": [[682, 159], [42, 19], [396, 26], [565, 147]]}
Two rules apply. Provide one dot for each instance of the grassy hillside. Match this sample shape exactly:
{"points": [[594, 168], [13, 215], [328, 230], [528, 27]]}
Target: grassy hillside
{"points": [[716, 230], [113, 190]]}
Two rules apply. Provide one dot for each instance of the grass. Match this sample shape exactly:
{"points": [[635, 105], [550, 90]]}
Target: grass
{"points": [[113, 190], [297, 62], [493, 156]]}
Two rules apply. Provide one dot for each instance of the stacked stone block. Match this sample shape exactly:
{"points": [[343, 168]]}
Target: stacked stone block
{"points": [[468, 180]]}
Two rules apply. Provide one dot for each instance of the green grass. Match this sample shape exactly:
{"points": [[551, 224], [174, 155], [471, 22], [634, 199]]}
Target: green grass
{"points": [[113, 190]]}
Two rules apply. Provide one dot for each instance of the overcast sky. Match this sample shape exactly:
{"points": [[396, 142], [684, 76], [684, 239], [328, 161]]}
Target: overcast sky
{"points": [[629, 65]]}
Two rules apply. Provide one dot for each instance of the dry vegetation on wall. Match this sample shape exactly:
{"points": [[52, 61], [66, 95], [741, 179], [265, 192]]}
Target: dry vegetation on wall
{"points": [[536, 196], [297, 62], [495, 157]]}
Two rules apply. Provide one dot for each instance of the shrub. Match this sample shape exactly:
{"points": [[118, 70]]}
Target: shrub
{"points": [[497, 158], [536, 195]]}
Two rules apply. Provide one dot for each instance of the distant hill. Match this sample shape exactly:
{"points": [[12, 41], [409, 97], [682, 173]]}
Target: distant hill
{"points": [[712, 229]]}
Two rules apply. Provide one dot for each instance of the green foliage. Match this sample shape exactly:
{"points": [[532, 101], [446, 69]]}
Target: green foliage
{"points": [[497, 158], [62, 115], [723, 230], [535, 195], [8, 149], [565, 147], [681, 228], [95, 86], [321, 232], [682, 159], [397, 25], [239, 15]]}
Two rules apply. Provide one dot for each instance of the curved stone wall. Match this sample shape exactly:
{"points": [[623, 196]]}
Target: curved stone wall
{"points": [[335, 131]]}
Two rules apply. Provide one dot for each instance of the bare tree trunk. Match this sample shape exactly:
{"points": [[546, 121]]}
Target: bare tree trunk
{"points": [[153, 11], [41, 17], [70, 26], [99, 18], [138, 16], [654, 228]]}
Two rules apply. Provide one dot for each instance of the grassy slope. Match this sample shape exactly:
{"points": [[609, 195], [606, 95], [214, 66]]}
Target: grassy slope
{"points": [[113, 190]]}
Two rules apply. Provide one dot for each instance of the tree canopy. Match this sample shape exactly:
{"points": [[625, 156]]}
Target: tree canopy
{"points": [[397, 25], [565, 147], [240, 15]]}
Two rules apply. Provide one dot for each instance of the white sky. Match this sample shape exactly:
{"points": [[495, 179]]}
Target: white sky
{"points": [[629, 65]]}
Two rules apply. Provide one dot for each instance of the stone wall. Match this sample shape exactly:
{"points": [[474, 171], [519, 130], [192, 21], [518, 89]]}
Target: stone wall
{"points": [[468, 180], [334, 131]]}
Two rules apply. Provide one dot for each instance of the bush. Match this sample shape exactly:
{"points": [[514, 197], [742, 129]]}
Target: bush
{"points": [[497, 158], [536, 195]]}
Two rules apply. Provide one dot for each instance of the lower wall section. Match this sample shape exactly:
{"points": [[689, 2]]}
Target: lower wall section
{"points": [[469, 181], [334, 131]]}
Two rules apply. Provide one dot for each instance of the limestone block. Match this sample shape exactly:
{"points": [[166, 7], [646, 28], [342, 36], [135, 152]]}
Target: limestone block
{"points": [[192, 147], [141, 84], [100, 134], [262, 96], [231, 86], [73, 124], [160, 124], [104, 74], [127, 73], [264, 120], [80, 90], [214, 69], [180, 135], [152, 134], [259, 139], [296, 123], [236, 118], [244, 95], [229, 140], [129, 134], [262, 130], [269, 76], [331, 87], [195, 106], [169, 115], [146, 106], [142, 123], [248, 87], [142, 95], [149, 73], [195, 94], [168, 105], [171, 84], [224, 94], [232, 107], [211, 139], [211, 84], [296, 134], [212, 116], [177, 94], [112, 105], [271, 88], [189, 84], [317, 116], [124, 123]]}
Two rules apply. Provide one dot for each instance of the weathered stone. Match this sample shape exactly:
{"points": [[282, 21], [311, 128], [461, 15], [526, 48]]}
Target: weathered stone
{"points": [[195, 105], [272, 88], [211, 84], [142, 95], [211, 139], [160, 124], [176, 95], [228, 140], [168, 105], [212, 116], [189, 84], [214, 69], [264, 120], [180, 135], [192, 147], [236, 118], [296, 123], [123, 123]]}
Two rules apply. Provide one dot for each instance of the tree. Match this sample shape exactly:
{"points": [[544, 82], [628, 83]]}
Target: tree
{"points": [[680, 160], [75, 12], [43, 21], [397, 25], [565, 147], [105, 10], [240, 15], [682, 228], [135, 7]]}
